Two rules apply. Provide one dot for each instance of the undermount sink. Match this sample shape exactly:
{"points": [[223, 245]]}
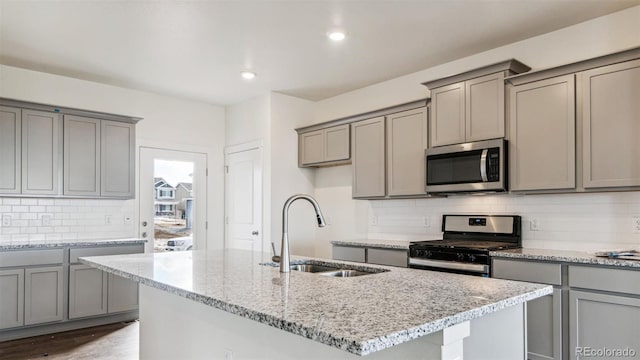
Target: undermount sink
{"points": [[332, 270]]}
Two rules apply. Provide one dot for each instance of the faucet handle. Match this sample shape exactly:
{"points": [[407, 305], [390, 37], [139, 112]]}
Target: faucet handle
{"points": [[274, 258]]}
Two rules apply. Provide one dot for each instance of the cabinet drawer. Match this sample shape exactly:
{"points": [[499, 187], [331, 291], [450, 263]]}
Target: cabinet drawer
{"points": [[539, 272], [74, 254], [31, 257], [348, 253], [606, 279], [387, 257]]}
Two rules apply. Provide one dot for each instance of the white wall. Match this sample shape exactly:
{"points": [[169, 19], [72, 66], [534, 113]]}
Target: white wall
{"points": [[568, 221], [168, 122]]}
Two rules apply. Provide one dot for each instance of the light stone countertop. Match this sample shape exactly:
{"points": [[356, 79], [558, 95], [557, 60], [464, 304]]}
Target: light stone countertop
{"points": [[577, 257], [40, 245], [379, 243], [360, 315]]}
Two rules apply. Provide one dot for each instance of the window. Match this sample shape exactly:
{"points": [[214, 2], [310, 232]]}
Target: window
{"points": [[165, 194]]}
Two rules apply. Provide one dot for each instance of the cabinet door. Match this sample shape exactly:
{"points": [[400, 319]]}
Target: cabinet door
{"points": [[484, 107], [448, 115], [43, 295], [611, 125], [542, 135], [40, 152], [600, 321], [336, 143], [87, 291], [390, 257], [123, 294], [10, 150], [349, 253], [544, 327], [406, 143], [367, 140], [117, 165], [81, 156], [311, 147], [11, 298]]}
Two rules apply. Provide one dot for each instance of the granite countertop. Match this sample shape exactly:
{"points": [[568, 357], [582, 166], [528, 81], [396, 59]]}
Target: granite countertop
{"points": [[577, 257], [32, 245], [379, 243], [360, 315]]}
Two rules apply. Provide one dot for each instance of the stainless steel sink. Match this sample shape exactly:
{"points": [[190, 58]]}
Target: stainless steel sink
{"points": [[332, 270]]}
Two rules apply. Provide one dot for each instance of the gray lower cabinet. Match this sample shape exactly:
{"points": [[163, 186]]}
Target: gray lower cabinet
{"points": [[10, 150], [603, 321], [87, 291], [43, 295], [372, 255], [122, 294], [11, 298], [544, 315]]}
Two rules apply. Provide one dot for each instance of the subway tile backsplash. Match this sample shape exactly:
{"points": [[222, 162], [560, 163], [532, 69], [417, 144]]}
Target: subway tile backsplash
{"points": [[583, 222], [29, 219]]}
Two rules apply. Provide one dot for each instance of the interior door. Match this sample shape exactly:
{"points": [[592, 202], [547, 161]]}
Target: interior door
{"points": [[150, 203], [243, 199]]}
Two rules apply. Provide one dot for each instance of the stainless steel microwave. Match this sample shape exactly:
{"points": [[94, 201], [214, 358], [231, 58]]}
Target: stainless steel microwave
{"points": [[479, 166]]}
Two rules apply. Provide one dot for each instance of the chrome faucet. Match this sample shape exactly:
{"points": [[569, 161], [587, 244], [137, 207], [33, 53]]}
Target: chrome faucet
{"points": [[284, 248]]}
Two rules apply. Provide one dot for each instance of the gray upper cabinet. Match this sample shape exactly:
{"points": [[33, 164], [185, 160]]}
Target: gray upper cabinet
{"points": [[406, 144], [117, 166], [41, 142], [329, 146], [448, 116], [43, 295], [542, 135], [10, 150], [470, 106], [81, 156], [484, 107], [368, 149], [11, 298], [610, 120]]}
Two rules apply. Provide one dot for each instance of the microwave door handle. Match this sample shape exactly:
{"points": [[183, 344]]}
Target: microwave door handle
{"points": [[483, 165]]}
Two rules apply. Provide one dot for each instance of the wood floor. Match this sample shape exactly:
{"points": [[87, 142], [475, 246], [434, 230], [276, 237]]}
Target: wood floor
{"points": [[108, 342]]}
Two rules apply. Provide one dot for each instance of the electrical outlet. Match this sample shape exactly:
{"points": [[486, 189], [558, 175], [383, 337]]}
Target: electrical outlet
{"points": [[426, 220], [635, 223], [534, 224], [46, 220], [374, 220], [328, 220], [107, 219], [228, 355], [127, 220], [6, 220]]}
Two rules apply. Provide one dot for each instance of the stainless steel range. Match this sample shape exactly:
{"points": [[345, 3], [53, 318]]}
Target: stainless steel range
{"points": [[466, 244]]}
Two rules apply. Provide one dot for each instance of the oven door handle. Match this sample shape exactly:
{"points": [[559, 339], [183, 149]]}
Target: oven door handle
{"points": [[483, 165], [451, 265]]}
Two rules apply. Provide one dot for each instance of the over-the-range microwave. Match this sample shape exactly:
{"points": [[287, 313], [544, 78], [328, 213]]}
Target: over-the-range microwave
{"points": [[479, 166]]}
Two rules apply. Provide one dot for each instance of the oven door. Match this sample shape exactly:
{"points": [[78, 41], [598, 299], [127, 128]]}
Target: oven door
{"points": [[450, 267], [470, 167]]}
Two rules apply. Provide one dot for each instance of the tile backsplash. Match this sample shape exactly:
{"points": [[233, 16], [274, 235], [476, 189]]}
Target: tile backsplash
{"points": [[566, 221], [31, 219]]}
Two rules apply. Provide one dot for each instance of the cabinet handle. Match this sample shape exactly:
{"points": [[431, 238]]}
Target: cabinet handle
{"points": [[255, 233]]}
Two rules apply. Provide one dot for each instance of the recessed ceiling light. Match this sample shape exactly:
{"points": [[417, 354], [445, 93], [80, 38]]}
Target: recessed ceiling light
{"points": [[248, 75], [336, 35]]}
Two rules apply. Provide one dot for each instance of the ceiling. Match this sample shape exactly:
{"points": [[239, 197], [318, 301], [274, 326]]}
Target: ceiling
{"points": [[197, 49]]}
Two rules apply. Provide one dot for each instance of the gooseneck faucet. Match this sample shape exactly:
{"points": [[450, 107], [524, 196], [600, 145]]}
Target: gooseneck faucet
{"points": [[285, 266]]}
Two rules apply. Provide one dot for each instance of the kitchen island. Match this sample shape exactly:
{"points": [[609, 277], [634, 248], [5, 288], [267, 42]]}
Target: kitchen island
{"points": [[234, 304]]}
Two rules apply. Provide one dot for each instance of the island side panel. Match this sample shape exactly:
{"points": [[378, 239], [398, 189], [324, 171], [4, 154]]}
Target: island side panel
{"points": [[498, 336], [172, 327]]}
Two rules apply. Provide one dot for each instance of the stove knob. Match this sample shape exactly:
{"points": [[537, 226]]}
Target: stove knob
{"points": [[472, 257], [427, 253], [460, 256]]}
